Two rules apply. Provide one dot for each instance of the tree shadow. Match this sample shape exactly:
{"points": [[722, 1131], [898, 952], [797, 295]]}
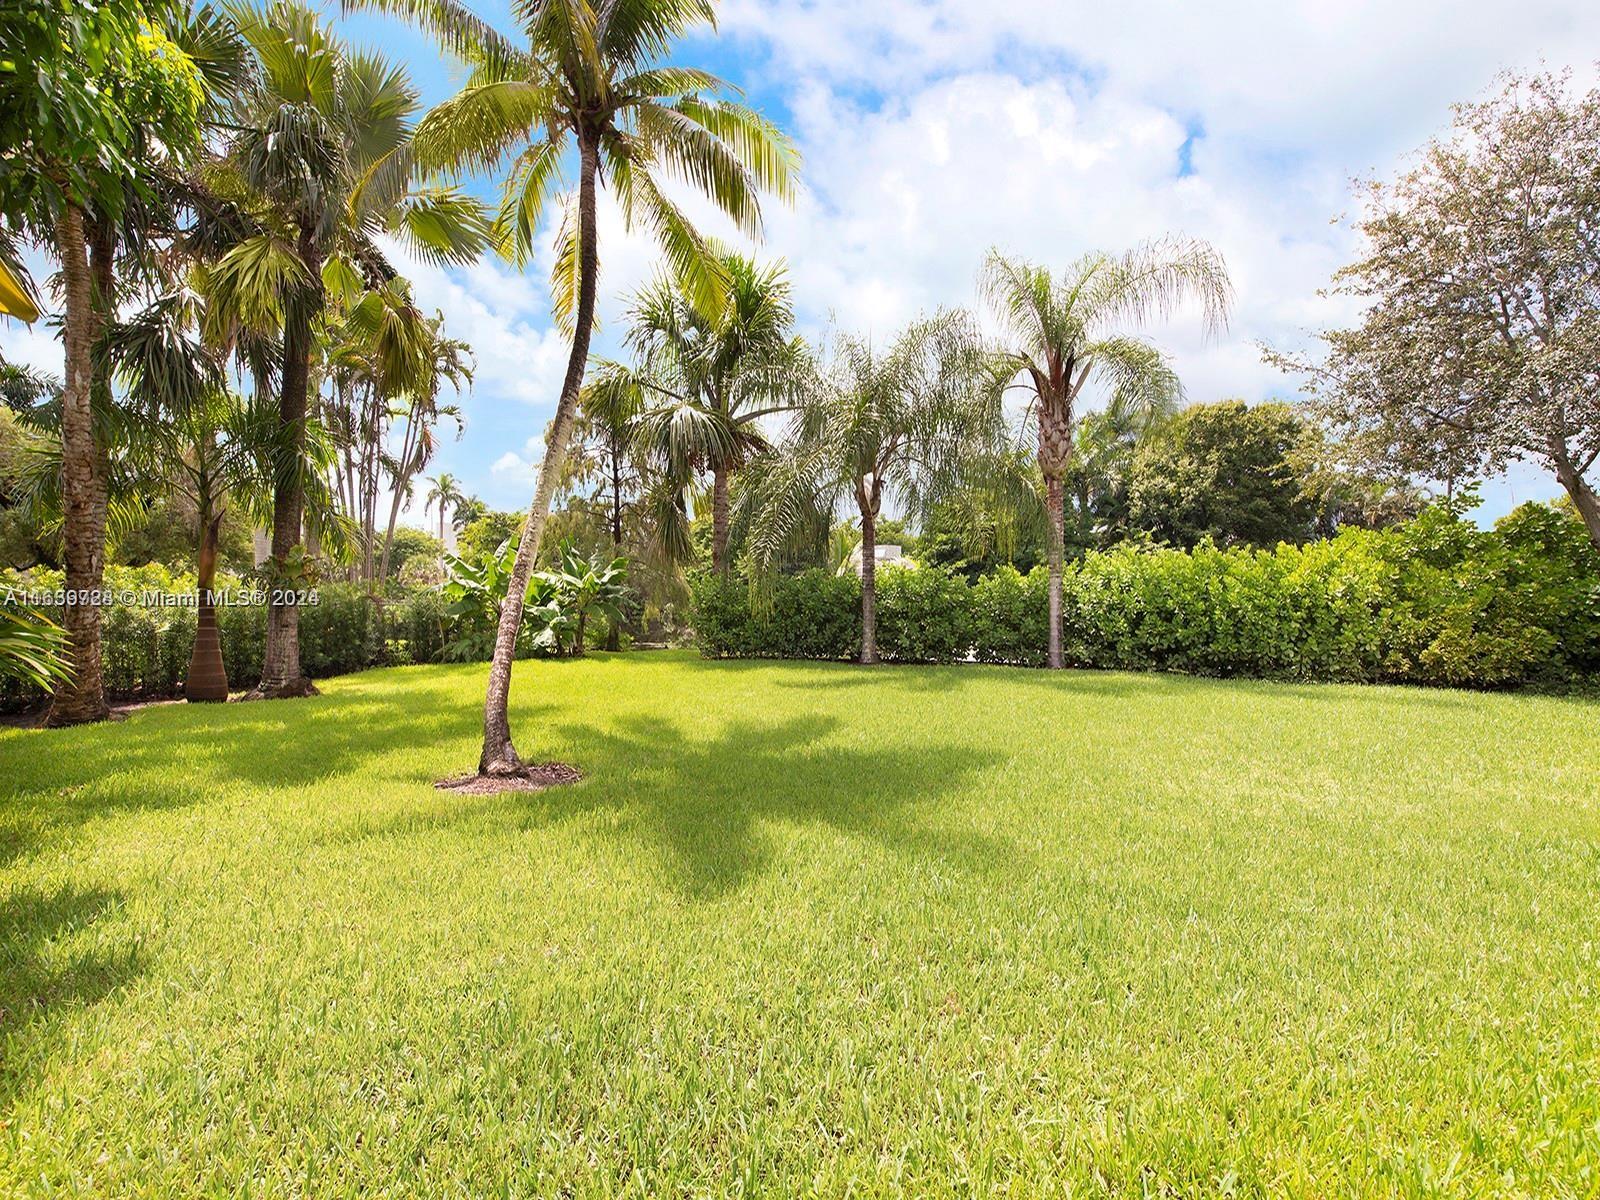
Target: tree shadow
{"points": [[179, 755], [702, 805], [42, 979]]}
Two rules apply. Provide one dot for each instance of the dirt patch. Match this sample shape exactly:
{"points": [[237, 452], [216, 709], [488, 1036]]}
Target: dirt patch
{"points": [[529, 779]]}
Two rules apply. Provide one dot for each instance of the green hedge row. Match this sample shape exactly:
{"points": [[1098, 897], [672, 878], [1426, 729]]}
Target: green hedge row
{"points": [[145, 650], [1435, 601]]}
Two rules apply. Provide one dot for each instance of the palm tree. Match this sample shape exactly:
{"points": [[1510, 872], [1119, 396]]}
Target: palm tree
{"points": [[323, 161], [102, 103], [445, 492], [590, 77], [900, 423], [712, 375], [1063, 332]]}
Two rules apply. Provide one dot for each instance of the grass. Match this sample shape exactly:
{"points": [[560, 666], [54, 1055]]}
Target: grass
{"points": [[806, 930]]}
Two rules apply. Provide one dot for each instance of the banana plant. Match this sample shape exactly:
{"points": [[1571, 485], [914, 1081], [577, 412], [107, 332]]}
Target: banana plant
{"points": [[583, 586]]}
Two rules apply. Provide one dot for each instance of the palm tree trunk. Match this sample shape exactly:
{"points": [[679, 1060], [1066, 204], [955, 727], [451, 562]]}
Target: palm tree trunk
{"points": [[719, 519], [499, 756], [1053, 501], [82, 697], [207, 678], [400, 482], [281, 675], [613, 632], [1055, 451], [869, 585]]}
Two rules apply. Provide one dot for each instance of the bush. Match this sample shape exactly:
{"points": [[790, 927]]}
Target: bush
{"points": [[815, 614], [1433, 601], [145, 648], [924, 615]]}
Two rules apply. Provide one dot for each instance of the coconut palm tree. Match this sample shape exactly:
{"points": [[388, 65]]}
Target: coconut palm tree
{"points": [[444, 491], [897, 423], [589, 76], [322, 161], [1060, 333], [712, 374]]}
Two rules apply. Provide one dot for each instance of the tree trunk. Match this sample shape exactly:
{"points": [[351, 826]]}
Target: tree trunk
{"points": [[82, 697], [578, 643], [281, 675], [719, 519], [400, 482], [499, 756], [1053, 500], [1578, 490], [207, 678], [869, 584], [613, 633], [1055, 451]]}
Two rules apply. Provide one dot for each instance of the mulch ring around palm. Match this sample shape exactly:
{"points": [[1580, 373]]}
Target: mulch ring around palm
{"points": [[529, 779]]}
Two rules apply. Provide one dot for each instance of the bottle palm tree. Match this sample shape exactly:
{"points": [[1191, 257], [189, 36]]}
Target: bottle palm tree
{"points": [[589, 77], [323, 160], [1062, 332], [712, 374], [444, 492], [899, 423]]}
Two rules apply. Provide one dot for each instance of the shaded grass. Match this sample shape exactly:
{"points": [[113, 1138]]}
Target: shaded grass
{"points": [[807, 929]]}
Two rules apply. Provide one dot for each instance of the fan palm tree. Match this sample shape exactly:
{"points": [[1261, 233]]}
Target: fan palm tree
{"points": [[900, 423], [323, 161], [1062, 332], [444, 491], [588, 76], [713, 374]]}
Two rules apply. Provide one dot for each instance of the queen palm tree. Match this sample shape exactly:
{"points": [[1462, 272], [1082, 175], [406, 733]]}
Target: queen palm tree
{"points": [[899, 423], [588, 76], [711, 375], [322, 161], [444, 491], [1063, 332]]}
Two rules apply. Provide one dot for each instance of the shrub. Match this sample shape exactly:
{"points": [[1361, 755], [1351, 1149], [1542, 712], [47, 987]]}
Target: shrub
{"points": [[924, 615], [1010, 620], [1433, 601], [815, 614]]}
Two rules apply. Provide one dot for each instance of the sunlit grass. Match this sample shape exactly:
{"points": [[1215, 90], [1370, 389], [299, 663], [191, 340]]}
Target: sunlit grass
{"points": [[808, 930]]}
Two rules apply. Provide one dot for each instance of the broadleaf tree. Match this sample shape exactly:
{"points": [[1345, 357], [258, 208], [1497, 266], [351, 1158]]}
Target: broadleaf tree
{"points": [[1480, 343]]}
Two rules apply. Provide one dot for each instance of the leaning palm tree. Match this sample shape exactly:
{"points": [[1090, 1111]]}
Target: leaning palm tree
{"points": [[444, 491], [321, 162], [712, 375], [900, 423], [1063, 332], [590, 76]]}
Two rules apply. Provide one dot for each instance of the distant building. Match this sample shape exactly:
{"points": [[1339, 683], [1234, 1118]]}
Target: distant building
{"points": [[884, 556]]}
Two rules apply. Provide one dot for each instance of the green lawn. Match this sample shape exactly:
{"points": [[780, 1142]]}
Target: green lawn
{"points": [[807, 930]]}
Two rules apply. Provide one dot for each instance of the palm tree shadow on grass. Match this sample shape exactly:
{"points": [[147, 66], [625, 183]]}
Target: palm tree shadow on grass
{"points": [[40, 987], [703, 805]]}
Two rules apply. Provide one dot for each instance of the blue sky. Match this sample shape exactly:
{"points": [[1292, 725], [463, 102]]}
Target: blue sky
{"points": [[933, 129]]}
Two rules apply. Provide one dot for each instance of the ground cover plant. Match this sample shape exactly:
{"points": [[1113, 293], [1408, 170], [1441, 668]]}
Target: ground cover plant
{"points": [[807, 929]]}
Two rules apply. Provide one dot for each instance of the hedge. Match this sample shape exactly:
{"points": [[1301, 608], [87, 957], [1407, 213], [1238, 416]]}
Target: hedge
{"points": [[1433, 601], [145, 650]]}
